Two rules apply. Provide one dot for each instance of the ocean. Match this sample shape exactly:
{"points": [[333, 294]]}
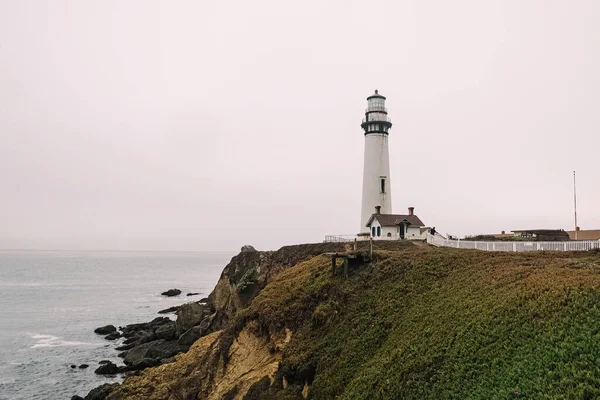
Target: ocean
{"points": [[51, 302]]}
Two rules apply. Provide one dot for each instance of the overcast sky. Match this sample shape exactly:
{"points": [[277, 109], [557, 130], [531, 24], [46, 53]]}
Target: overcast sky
{"points": [[206, 125]]}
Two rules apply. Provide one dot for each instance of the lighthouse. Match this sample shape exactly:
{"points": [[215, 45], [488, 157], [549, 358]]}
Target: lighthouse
{"points": [[376, 187]]}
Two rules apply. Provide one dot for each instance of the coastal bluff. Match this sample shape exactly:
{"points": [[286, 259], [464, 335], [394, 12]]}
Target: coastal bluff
{"points": [[411, 321]]}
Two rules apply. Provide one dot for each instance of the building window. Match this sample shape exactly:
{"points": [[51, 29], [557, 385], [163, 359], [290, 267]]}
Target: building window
{"points": [[378, 231], [373, 231], [389, 234], [382, 185]]}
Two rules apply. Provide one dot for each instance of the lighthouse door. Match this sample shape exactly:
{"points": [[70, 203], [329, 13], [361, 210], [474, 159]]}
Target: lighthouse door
{"points": [[401, 230]]}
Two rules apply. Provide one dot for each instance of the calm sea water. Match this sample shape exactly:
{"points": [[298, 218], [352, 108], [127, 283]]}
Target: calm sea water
{"points": [[50, 303]]}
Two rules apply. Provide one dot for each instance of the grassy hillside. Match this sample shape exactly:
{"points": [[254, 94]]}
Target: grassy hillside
{"points": [[421, 322]]}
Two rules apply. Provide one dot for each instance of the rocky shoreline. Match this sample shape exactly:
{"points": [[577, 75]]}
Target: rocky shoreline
{"points": [[153, 343], [206, 322]]}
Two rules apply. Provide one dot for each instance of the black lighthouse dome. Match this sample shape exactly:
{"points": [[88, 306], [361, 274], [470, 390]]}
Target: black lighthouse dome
{"points": [[376, 117]]}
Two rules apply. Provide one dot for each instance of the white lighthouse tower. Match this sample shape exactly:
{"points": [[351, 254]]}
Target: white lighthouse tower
{"points": [[376, 189]]}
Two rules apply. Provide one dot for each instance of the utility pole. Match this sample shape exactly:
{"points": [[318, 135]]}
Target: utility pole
{"points": [[575, 204]]}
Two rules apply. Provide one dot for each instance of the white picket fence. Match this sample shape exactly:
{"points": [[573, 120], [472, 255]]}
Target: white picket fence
{"points": [[514, 246]]}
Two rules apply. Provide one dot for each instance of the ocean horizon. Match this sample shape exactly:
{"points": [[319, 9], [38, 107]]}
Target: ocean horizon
{"points": [[52, 300]]}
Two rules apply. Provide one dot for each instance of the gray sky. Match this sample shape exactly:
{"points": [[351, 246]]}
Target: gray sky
{"points": [[207, 125]]}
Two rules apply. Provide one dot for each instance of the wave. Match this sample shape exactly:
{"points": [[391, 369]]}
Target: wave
{"points": [[44, 340], [29, 284]]}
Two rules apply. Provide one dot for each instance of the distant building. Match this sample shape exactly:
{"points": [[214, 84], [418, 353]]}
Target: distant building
{"points": [[543, 235], [589, 234], [396, 226]]}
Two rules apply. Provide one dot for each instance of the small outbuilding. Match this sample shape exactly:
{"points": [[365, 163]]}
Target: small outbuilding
{"points": [[584, 234], [397, 226], [543, 235]]}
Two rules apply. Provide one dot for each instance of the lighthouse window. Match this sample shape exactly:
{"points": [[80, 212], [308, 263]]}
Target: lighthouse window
{"points": [[382, 185], [378, 231], [373, 231]]}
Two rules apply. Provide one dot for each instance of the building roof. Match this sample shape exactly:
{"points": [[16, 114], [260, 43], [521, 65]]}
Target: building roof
{"points": [[376, 94], [538, 230], [395, 219], [589, 234]]}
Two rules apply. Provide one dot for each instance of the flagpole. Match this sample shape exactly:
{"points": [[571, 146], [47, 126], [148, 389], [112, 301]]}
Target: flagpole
{"points": [[575, 204]]}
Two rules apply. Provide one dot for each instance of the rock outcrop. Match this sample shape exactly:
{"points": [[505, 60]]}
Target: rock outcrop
{"points": [[107, 368], [200, 373], [171, 292], [105, 330], [189, 315]]}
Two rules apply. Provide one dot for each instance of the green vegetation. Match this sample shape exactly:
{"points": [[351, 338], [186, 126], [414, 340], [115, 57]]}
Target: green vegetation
{"points": [[249, 278], [427, 323]]}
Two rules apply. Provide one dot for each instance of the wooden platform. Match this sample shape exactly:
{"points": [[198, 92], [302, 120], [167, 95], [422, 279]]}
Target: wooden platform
{"points": [[345, 257]]}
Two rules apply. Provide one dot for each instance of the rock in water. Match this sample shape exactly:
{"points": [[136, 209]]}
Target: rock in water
{"points": [[77, 398], [169, 310], [247, 248], [189, 314], [83, 366], [112, 336], [171, 292], [105, 330], [193, 294], [108, 368], [73, 366]]}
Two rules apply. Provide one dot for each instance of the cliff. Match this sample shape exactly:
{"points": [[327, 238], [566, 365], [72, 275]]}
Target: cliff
{"points": [[413, 322]]}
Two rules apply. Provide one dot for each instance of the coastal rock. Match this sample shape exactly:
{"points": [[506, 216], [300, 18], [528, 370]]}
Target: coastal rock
{"points": [[203, 300], [171, 292], [131, 340], [167, 332], [196, 332], [169, 310], [105, 330], [104, 362], [102, 391], [191, 335], [77, 398], [157, 349], [112, 336], [190, 314], [142, 364], [108, 368], [247, 248], [143, 328], [193, 294], [125, 347]]}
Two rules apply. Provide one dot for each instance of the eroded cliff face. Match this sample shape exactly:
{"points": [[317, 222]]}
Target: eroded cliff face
{"points": [[216, 367], [249, 272], [228, 360]]}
